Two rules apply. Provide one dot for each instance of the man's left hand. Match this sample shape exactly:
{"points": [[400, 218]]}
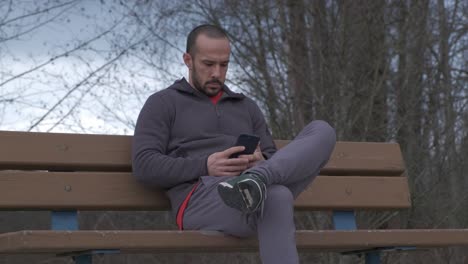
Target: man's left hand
{"points": [[254, 158]]}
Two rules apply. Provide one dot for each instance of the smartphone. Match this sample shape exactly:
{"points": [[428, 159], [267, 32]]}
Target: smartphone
{"points": [[250, 142]]}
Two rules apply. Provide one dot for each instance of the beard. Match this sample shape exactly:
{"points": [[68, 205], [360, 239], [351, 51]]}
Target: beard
{"points": [[207, 88]]}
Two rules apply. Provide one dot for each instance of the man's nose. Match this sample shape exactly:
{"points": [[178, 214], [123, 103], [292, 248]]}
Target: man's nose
{"points": [[216, 72]]}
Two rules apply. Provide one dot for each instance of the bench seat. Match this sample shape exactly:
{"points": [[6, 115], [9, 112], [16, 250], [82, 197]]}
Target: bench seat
{"points": [[145, 241]]}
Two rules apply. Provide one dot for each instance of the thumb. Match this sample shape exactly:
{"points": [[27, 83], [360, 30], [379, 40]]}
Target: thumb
{"points": [[228, 152]]}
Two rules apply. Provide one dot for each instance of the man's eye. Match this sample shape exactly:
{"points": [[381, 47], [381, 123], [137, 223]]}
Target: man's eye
{"points": [[209, 64]]}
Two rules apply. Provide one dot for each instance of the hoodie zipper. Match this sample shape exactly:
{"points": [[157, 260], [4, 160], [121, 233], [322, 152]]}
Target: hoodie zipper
{"points": [[218, 115]]}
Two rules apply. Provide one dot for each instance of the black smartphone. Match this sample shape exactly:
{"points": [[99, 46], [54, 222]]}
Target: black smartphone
{"points": [[250, 142]]}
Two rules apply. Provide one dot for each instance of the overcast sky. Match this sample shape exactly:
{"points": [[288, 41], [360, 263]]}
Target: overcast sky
{"points": [[42, 89]]}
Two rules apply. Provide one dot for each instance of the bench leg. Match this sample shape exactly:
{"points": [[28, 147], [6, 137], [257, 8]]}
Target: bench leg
{"points": [[83, 259], [346, 220], [373, 258]]}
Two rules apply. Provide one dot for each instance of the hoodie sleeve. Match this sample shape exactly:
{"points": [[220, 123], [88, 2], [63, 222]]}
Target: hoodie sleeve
{"points": [[151, 164], [267, 145]]}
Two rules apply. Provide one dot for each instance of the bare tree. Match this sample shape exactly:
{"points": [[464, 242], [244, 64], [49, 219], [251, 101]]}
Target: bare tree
{"points": [[386, 70]]}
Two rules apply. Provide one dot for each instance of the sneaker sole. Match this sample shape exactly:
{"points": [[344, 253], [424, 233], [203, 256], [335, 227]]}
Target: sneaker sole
{"points": [[232, 196]]}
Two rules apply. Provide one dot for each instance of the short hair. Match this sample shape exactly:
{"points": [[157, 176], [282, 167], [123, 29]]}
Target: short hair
{"points": [[211, 31]]}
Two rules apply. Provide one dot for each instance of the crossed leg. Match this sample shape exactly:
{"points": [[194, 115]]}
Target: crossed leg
{"points": [[288, 173]]}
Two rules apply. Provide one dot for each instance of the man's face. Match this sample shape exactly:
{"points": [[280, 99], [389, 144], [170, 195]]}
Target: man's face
{"points": [[208, 66]]}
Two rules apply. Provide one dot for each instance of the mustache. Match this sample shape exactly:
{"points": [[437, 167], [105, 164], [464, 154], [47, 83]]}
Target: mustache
{"points": [[215, 82]]}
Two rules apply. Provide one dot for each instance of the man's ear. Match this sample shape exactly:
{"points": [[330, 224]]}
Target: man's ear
{"points": [[188, 60]]}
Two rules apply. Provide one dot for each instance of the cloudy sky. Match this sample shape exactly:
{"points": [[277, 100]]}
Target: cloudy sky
{"points": [[104, 103]]}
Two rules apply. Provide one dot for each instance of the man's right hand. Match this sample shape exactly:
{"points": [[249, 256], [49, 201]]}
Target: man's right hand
{"points": [[219, 163]]}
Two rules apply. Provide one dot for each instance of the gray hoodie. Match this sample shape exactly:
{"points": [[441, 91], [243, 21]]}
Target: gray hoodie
{"points": [[179, 127]]}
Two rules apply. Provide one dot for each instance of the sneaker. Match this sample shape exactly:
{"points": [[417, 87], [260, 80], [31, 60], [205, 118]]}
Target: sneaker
{"points": [[245, 193]]}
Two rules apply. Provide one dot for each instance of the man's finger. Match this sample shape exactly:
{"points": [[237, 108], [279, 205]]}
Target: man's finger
{"points": [[234, 162], [250, 158], [228, 152]]}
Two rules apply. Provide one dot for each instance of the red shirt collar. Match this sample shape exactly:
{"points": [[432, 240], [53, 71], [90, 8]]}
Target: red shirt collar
{"points": [[216, 98]]}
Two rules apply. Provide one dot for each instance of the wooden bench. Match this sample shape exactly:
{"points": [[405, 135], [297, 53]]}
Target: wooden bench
{"points": [[66, 173]]}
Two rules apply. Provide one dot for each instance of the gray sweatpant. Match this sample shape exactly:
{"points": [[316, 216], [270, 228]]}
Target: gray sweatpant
{"points": [[288, 172]]}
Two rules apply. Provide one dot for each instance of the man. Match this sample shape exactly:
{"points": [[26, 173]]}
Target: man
{"points": [[185, 135]]}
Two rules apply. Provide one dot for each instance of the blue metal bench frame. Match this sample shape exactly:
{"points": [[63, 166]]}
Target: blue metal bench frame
{"points": [[346, 220]]}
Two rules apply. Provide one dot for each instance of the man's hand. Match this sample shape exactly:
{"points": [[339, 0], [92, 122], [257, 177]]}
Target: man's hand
{"points": [[219, 163], [254, 158]]}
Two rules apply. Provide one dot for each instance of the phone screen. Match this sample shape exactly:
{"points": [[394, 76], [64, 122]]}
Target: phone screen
{"points": [[250, 142]]}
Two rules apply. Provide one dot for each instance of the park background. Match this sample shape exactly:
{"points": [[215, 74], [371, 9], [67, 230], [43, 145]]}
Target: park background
{"points": [[376, 70]]}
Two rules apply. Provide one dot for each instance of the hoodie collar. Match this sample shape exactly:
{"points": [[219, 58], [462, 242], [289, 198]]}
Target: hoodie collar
{"points": [[183, 86]]}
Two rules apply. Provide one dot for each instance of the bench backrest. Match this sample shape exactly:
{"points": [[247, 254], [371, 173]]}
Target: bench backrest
{"points": [[53, 171]]}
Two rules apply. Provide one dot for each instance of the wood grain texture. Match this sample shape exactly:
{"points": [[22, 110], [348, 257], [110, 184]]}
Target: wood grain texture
{"points": [[75, 152], [197, 241], [58, 151], [20, 190]]}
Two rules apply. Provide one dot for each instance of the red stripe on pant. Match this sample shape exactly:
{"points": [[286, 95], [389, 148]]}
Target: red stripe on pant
{"points": [[183, 206]]}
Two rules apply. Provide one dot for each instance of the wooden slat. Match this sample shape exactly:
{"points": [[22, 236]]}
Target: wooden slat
{"points": [[362, 158], [196, 241], [57, 151], [355, 192], [73, 152], [120, 191]]}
